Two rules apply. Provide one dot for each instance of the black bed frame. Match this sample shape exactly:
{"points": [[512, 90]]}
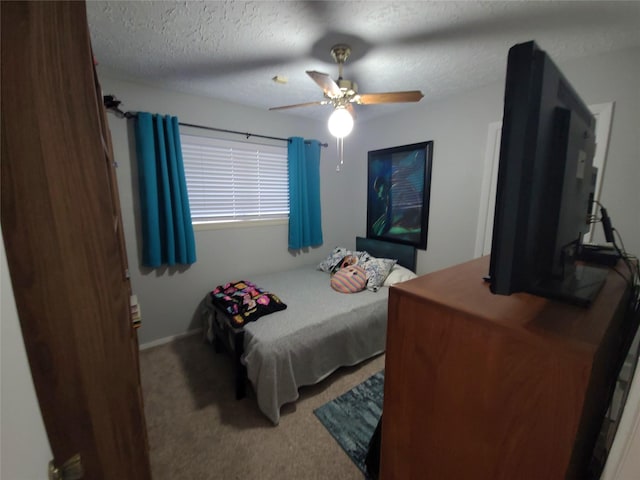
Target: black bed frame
{"points": [[229, 337], [405, 254]]}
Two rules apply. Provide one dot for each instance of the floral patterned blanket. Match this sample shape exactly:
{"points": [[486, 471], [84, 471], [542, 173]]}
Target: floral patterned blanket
{"points": [[245, 302]]}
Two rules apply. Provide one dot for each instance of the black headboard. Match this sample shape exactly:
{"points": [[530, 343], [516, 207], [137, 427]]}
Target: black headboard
{"points": [[405, 254]]}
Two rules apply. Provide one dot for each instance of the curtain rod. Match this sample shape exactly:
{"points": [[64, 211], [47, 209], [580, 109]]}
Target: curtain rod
{"points": [[239, 133], [111, 103]]}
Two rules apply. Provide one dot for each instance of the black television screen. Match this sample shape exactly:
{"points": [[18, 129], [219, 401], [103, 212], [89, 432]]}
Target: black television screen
{"points": [[546, 182]]}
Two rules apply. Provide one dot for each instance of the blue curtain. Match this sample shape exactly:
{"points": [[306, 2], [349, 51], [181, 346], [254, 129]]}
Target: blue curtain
{"points": [[305, 219], [167, 233]]}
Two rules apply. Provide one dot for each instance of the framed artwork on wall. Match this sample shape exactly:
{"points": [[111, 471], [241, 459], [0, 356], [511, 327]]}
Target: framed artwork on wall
{"points": [[398, 190]]}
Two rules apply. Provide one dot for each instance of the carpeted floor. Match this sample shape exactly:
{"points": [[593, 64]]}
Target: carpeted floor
{"points": [[197, 430]]}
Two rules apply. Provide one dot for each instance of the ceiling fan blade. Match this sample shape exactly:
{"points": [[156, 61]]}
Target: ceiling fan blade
{"points": [[328, 85], [390, 97], [307, 104]]}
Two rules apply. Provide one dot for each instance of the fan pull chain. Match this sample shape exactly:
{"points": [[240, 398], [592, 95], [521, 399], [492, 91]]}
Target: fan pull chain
{"points": [[340, 148]]}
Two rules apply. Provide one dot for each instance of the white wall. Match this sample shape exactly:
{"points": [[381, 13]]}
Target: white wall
{"points": [[24, 447], [169, 297], [458, 126]]}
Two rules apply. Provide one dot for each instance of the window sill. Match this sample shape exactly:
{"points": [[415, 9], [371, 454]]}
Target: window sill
{"points": [[239, 224]]}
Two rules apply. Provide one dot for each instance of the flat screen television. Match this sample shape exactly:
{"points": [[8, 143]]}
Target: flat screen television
{"points": [[546, 182]]}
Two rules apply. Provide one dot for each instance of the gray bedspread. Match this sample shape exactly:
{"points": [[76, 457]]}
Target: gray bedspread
{"points": [[320, 331]]}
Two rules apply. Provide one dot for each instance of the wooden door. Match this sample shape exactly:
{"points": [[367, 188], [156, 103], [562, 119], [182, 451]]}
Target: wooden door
{"points": [[63, 238]]}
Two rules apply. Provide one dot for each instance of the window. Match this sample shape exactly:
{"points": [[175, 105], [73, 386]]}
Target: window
{"points": [[234, 181]]}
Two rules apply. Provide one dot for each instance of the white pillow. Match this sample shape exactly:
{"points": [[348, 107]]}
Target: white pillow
{"points": [[398, 274]]}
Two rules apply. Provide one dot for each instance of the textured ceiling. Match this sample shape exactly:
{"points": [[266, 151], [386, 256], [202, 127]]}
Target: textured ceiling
{"points": [[231, 50]]}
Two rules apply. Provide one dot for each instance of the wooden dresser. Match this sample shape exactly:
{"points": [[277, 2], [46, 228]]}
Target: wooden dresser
{"points": [[481, 386]]}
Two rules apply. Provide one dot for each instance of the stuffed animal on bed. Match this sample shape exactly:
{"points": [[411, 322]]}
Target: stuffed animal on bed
{"points": [[350, 279], [347, 261]]}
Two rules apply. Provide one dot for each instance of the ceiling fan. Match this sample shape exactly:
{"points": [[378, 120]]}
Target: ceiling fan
{"points": [[341, 94]]}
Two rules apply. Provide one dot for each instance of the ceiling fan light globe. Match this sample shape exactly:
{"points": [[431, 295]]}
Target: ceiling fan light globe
{"points": [[340, 123]]}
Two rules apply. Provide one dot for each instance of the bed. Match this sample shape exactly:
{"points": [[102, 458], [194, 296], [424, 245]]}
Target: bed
{"points": [[320, 331]]}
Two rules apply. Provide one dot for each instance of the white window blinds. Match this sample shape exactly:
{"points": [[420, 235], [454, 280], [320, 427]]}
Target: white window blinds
{"points": [[233, 181]]}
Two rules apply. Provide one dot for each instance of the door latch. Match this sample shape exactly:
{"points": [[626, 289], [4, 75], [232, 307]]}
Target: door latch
{"points": [[70, 470]]}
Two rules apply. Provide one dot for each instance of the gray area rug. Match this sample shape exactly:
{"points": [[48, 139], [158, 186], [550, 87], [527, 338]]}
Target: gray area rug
{"points": [[352, 417]]}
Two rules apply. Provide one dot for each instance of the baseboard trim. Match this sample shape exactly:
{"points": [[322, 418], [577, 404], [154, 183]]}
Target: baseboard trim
{"points": [[162, 341]]}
